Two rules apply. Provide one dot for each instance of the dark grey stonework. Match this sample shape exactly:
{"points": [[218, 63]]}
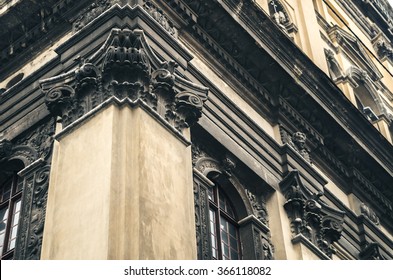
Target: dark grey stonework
{"points": [[135, 52]]}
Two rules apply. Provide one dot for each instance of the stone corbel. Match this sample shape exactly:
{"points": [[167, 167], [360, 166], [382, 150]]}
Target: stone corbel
{"points": [[310, 217]]}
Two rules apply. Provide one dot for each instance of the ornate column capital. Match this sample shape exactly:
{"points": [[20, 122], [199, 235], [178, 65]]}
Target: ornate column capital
{"points": [[125, 69]]}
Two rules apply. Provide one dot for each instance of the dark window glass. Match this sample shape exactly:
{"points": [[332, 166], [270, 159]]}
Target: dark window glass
{"points": [[225, 243], [10, 207]]}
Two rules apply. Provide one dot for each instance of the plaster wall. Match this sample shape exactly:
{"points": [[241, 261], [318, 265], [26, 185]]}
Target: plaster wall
{"points": [[112, 197]]}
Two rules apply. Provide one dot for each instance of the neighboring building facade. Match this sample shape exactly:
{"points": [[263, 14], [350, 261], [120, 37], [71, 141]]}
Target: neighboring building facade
{"points": [[196, 129]]}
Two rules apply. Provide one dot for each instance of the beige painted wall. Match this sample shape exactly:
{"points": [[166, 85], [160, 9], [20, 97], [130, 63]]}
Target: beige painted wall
{"points": [[121, 188]]}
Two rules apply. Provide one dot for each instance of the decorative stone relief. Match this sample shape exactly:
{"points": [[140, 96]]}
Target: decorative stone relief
{"points": [[90, 13], [125, 69], [160, 17], [201, 220], [40, 139], [34, 149], [5, 149], [263, 247], [205, 164], [259, 207], [228, 164], [267, 248], [297, 141], [33, 214], [310, 216], [369, 213]]}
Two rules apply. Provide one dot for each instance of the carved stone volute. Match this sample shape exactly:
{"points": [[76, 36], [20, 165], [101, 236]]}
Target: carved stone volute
{"points": [[189, 108], [125, 69], [309, 215], [58, 99]]}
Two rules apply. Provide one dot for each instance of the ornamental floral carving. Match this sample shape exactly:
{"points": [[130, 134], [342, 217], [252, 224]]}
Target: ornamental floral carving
{"points": [[310, 216], [125, 68]]}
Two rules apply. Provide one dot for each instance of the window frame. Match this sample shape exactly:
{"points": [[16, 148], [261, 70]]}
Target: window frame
{"points": [[214, 205], [9, 204]]}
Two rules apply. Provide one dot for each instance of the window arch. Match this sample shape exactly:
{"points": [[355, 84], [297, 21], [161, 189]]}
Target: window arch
{"points": [[223, 225], [231, 219]]}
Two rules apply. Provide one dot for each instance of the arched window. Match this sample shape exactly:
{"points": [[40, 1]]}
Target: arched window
{"points": [[10, 206], [225, 241], [367, 99]]}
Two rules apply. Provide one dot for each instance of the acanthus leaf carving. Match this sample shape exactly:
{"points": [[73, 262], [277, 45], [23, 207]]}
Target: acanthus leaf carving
{"points": [[125, 67]]}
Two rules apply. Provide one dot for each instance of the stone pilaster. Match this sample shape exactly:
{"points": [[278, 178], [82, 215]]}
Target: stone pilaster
{"points": [[122, 174]]}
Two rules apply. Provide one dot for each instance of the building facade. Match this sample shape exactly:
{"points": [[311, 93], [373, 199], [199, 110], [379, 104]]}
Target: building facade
{"points": [[196, 129]]}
